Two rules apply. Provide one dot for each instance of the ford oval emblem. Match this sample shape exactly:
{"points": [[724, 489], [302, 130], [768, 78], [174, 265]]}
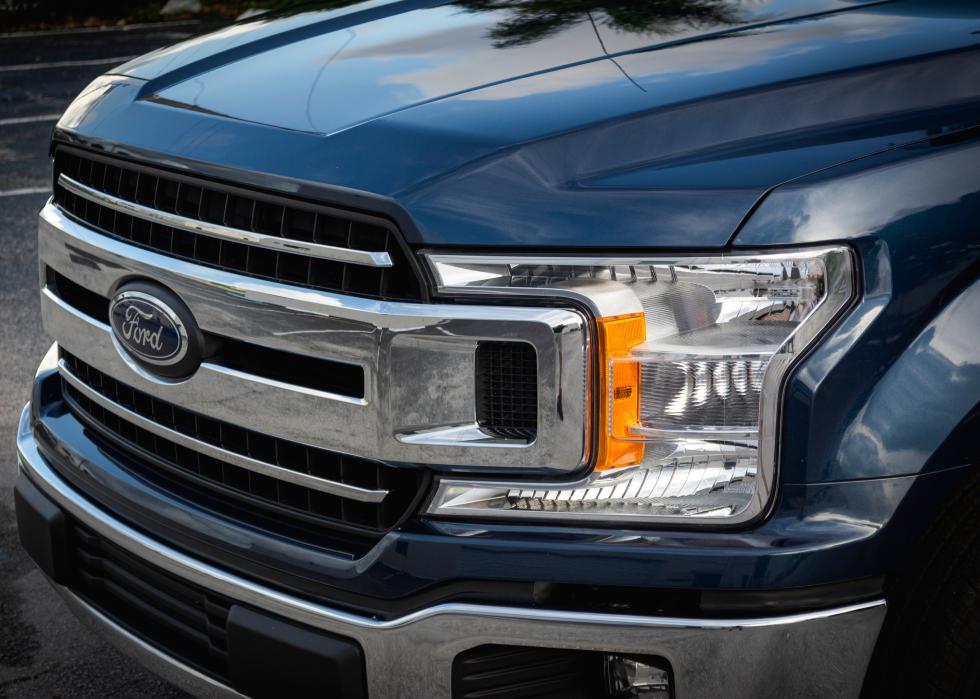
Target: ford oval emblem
{"points": [[148, 328]]}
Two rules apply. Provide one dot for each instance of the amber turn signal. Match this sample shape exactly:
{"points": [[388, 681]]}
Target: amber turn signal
{"points": [[619, 390]]}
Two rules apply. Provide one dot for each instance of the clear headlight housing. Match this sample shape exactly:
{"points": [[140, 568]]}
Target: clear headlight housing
{"points": [[690, 355]]}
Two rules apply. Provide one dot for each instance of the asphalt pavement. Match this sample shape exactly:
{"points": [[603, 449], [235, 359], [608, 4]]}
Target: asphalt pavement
{"points": [[44, 651]]}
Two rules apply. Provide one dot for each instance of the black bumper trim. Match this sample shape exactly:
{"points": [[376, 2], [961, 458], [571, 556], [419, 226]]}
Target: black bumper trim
{"points": [[265, 657]]}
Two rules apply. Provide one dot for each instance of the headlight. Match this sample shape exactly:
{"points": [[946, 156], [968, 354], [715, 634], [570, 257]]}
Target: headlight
{"points": [[691, 353]]}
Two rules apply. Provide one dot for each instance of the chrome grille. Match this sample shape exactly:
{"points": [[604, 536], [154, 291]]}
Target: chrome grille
{"points": [[243, 231], [417, 359], [355, 493], [317, 414]]}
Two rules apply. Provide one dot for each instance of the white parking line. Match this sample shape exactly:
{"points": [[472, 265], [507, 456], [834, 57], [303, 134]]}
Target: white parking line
{"points": [[30, 119], [24, 190], [108, 28], [65, 64]]}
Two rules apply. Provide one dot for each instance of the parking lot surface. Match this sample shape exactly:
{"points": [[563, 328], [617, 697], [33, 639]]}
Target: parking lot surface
{"points": [[44, 652]]}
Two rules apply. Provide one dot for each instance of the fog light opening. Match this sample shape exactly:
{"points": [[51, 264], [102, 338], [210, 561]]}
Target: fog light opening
{"points": [[636, 676]]}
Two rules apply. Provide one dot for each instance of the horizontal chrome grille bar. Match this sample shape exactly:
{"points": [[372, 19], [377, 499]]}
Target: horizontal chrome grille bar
{"points": [[325, 252], [283, 474]]}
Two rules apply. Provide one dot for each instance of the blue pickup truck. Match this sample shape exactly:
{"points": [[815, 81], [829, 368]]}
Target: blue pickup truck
{"points": [[500, 349]]}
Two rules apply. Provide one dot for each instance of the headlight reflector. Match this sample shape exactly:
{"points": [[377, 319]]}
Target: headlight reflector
{"points": [[691, 355]]}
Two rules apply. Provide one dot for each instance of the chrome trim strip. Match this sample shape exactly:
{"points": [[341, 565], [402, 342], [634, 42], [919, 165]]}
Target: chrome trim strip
{"points": [[323, 485], [216, 230], [172, 670], [439, 260], [411, 656], [469, 434]]}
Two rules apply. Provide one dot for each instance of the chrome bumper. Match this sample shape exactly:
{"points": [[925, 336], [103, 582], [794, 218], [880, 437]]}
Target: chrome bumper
{"points": [[823, 653]]}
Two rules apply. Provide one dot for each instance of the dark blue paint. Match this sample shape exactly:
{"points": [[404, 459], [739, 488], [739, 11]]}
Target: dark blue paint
{"points": [[794, 123], [551, 143], [896, 378]]}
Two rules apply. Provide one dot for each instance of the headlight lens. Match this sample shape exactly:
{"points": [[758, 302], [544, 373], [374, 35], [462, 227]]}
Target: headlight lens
{"points": [[691, 355]]}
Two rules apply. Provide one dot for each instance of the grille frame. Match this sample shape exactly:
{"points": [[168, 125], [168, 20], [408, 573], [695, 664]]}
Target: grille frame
{"points": [[404, 262]]}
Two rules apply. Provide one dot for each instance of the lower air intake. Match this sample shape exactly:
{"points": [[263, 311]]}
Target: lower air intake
{"points": [[182, 619], [512, 672]]}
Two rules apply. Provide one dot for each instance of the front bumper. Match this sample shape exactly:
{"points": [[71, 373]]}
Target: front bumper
{"points": [[816, 653]]}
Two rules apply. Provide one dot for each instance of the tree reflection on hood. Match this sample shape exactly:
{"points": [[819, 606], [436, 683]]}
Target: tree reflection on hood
{"points": [[533, 20]]}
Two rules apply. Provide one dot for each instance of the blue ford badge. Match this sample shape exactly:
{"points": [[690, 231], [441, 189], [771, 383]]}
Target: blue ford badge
{"points": [[148, 328]]}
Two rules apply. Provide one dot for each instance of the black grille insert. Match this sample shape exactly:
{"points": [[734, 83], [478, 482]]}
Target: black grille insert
{"points": [[186, 621], [513, 672], [507, 389], [247, 210], [77, 296], [289, 500]]}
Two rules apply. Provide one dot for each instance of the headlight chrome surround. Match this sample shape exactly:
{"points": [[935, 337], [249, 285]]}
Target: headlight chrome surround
{"points": [[716, 326]]}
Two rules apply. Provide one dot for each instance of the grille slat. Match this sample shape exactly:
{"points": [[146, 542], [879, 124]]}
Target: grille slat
{"points": [[368, 519], [263, 216], [186, 614]]}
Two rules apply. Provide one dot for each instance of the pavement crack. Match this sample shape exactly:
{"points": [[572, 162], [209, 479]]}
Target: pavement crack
{"points": [[25, 678]]}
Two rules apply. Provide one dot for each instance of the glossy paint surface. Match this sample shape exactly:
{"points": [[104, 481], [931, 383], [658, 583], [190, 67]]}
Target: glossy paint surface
{"points": [[794, 123], [344, 74], [550, 140]]}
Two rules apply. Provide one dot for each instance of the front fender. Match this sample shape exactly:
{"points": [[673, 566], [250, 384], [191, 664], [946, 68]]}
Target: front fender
{"points": [[887, 390]]}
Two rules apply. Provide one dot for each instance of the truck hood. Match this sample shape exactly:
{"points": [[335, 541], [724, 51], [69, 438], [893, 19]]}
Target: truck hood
{"points": [[323, 70], [507, 123]]}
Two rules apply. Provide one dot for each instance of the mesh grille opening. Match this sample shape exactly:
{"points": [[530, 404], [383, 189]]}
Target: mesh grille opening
{"points": [[507, 389], [256, 212]]}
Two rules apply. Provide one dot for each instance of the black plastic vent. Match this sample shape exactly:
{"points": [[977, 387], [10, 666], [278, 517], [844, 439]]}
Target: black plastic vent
{"points": [[507, 389], [247, 210], [404, 486], [513, 672], [186, 621]]}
